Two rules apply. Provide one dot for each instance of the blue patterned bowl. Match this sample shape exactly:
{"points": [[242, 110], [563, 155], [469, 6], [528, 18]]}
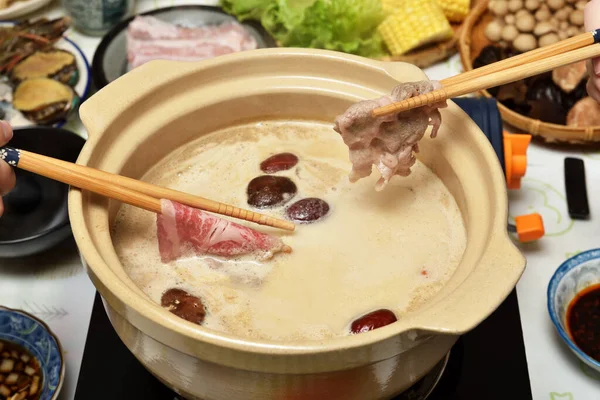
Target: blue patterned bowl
{"points": [[574, 275], [26, 330]]}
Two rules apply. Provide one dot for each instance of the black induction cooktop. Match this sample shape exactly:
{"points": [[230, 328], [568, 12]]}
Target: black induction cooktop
{"points": [[482, 364]]}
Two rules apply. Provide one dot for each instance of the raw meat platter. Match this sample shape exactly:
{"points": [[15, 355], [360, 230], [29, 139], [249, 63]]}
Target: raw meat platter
{"points": [[180, 33]]}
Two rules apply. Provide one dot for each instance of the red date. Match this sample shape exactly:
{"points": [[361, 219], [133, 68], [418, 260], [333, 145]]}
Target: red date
{"points": [[278, 162], [270, 191], [308, 210], [373, 320], [184, 305]]}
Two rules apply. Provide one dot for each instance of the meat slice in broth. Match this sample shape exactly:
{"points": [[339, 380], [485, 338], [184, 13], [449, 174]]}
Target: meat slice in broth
{"points": [[182, 230], [388, 142]]}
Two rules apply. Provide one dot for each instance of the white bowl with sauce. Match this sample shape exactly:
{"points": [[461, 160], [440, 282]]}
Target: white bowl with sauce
{"points": [[155, 109]]}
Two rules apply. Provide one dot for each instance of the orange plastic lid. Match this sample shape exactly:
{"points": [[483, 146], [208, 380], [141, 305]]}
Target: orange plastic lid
{"points": [[515, 158], [530, 227]]}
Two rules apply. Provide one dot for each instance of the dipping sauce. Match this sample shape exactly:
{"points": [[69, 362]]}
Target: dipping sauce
{"points": [[20, 373], [583, 321]]}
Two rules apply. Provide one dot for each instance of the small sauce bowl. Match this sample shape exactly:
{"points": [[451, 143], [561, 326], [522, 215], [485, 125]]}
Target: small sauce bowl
{"points": [[26, 331], [572, 278]]}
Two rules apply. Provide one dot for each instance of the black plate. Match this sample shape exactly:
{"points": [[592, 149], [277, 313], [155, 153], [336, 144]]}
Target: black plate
{"points": [[110, 58], [36, 214]]}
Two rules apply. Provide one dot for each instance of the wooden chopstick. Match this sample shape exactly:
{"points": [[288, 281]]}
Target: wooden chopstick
{"points": [[128, 190], [563, 46], [459, 86]]}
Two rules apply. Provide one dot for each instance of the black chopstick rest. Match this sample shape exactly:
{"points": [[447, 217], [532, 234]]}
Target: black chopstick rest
{"points": [[575, 186]]}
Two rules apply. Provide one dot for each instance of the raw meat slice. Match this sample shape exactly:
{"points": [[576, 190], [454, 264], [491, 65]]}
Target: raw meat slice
{"points": [[387, 142], [182, 229], [149, 38]]}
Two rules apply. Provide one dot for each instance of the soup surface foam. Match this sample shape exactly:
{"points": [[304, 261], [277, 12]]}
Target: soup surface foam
{"points": [[392, 249]]}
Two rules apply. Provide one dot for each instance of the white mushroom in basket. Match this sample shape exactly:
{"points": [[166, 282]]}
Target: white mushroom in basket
{"points": [[555, 4], [493, 30], [499, 8], [525, 21], [525, 42], [548, 39], [528, 24], [515, 5], [532, 5]]}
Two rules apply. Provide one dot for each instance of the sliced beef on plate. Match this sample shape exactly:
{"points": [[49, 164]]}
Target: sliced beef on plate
{"points": [[387, 142], [182, 229]]}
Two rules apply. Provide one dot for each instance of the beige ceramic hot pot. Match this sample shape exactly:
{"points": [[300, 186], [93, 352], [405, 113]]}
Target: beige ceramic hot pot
{"points": [[146, 114]]}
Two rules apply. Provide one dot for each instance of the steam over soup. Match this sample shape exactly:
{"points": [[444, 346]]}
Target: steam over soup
{"points": [[360, 259]]}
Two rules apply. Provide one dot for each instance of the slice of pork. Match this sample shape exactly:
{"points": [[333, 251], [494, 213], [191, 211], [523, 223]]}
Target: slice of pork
{"points": [[387, 142]]}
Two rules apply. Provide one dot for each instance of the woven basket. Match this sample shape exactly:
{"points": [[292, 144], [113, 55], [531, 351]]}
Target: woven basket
{"points": [[470, 43], [431, 54]]}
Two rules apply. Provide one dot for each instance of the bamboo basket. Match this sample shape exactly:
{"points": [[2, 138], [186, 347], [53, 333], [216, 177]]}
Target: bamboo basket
{"points": [[470, 43], [431, 54]]}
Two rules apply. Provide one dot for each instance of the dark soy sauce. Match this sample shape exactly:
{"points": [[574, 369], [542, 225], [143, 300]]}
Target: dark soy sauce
{"points": [[583, 320], [20, 373]]}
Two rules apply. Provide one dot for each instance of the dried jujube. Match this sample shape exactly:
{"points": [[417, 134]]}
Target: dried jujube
{"points": [[269, 191], [308, 210], [184, 305], [373, 320], [278, 162]]}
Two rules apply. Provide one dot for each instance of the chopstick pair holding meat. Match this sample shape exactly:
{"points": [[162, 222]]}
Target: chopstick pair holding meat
{"points": [[181, 224], [582, 47], [385, 132]]}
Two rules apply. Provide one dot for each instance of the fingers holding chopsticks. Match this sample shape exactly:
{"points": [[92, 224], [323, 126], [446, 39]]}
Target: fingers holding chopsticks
{"points": [[592, 21], [7, 176]]}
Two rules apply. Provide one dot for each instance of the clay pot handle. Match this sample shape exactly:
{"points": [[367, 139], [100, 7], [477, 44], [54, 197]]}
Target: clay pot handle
{"points": [[400, 70], [102, 109]]}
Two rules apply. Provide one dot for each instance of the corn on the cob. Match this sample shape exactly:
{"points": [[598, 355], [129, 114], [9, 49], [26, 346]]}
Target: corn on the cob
{"points": [[455, 10], [414, 23], [390, 6]]}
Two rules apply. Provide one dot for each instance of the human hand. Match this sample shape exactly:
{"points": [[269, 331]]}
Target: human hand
{"points": [[592, 21], [7, 176]]}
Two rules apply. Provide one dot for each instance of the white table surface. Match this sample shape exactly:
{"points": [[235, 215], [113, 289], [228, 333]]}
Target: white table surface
{"points": [[55, 287]]}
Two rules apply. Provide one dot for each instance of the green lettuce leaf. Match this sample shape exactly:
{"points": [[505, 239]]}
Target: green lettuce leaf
{"points": [[342, 25], [246, 9], [283, 15]]}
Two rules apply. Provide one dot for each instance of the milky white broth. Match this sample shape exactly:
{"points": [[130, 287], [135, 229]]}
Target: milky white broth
{"points": [[392, 249]]}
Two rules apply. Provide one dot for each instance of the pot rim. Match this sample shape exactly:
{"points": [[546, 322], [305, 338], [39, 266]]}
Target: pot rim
{"points": [[113, 289]]}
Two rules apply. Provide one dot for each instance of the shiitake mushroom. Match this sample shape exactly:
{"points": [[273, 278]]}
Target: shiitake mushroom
{"points": [[537, 97], [547, 101]]}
